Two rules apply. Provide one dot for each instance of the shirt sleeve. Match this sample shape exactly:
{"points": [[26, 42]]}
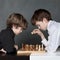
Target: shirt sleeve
{"points": [[53, 42], [8, 43], [45, 42]]}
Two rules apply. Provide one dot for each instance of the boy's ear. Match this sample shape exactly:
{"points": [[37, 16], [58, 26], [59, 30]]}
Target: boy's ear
{"points": [[14, 26], [44, 20]]}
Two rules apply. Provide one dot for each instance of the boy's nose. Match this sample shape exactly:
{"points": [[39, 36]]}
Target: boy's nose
{"points": [[20, 31], [39, 27]]}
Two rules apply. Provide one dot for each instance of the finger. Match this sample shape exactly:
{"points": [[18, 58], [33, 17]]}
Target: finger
{"points": [[34, 31]]}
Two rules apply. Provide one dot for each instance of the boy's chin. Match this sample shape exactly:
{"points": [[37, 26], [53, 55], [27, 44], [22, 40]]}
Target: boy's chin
{"points": [[43, 29]]}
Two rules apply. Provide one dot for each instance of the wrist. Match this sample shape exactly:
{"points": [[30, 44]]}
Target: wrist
{"points": [[42, 36], [16, 46]]}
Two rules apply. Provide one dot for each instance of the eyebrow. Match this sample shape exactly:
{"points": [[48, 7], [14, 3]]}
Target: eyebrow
{"points": [[37, 25]]}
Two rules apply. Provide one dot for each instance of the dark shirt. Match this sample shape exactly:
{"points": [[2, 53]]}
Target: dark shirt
{"points": [[7, 41]]}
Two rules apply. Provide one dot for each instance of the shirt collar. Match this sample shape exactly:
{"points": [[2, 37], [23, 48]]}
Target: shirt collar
{"points": [[49, 24], [11, 31]]}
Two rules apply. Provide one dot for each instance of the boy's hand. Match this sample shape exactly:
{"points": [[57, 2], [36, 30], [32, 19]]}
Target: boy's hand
{"points": [[37, 31], [16, 46], [3, 50]]}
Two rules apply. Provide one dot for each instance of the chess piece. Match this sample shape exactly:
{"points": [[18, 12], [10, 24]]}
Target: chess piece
{"points": [[31, 32], [23, 47], [31, 47], [37, 47], [42, 47]]}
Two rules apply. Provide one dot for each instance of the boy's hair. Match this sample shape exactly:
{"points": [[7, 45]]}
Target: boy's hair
{"points": [[39, 15], [18, 20]]}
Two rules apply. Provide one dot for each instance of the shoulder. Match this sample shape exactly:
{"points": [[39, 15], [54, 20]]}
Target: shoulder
{"points": [[6, 32], [54, 25]]}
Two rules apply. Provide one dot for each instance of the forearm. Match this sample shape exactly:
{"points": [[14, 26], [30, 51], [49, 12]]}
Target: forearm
{"points": [[42, 36], [16, 46], [37, 31], [3, 50], [44, 41]]}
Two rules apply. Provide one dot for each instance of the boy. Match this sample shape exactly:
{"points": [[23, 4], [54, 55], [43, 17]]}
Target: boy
{"points": [[16, 23], [42, 19]]}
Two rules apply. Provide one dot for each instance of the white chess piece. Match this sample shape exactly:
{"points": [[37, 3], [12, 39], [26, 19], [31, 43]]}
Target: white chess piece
{"points": [[42, 47], [31, 32], [39, 48]]}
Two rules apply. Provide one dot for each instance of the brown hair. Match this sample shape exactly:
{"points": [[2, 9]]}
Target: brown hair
{"points": [[39, 15], [18, 20]]}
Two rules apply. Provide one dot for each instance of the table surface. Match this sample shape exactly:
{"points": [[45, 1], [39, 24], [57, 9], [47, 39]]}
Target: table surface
{"points": [[45, 56], [27, 53], [44, 53]]}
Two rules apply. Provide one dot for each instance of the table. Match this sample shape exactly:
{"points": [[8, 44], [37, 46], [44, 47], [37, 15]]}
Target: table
{"points": [[45, 56], [28, 53], [40, 55]]}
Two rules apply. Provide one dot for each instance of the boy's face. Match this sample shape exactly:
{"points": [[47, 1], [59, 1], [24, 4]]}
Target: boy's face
{"points": [[17, 30], [42, 24]]}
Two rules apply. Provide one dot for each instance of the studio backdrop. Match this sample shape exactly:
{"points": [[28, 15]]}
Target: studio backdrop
{"points": [[27, 8]]}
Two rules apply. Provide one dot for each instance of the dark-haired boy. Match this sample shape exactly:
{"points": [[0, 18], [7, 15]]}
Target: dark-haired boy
{"points": [[42, 19]]}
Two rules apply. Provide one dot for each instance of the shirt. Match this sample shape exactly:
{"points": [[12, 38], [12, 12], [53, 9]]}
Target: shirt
{"points": [[7, 40], [54, 36]]}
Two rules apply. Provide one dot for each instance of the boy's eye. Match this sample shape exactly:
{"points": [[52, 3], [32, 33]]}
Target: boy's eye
{"points": [[21, 28], [38, 25]]}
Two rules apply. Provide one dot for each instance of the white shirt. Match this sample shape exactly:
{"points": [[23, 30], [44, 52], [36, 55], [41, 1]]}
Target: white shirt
{"points": [[53, 38]]}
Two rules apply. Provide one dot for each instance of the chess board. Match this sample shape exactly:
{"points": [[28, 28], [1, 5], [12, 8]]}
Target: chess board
{"points": [[29, 49], [19, 52]]}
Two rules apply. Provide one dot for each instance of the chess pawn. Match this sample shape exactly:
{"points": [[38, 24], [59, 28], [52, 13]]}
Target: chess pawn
{"points": [[42, 47], [23, 46], [32, 33], [31, 47], [37, 47], [26, 47]]}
